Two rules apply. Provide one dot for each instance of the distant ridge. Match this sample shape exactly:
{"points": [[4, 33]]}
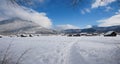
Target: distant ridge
{"points": [[94, 30]]}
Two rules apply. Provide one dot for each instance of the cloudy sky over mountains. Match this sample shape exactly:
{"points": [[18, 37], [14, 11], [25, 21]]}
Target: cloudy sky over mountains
{"points": [[8, 10], [52, 13]]}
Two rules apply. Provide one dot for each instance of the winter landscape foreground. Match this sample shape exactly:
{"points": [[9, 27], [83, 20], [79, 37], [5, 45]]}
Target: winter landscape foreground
{"points": [[61, 50]]}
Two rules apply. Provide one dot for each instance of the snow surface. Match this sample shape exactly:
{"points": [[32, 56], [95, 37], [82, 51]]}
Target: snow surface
{"points": [[64, 50]]}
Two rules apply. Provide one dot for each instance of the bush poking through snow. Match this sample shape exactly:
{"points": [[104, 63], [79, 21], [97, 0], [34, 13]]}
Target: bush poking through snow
{"points": [[7, 58], [23, 35], [0, 36]]}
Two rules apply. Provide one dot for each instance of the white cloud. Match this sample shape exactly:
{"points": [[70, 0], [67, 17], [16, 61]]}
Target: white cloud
{"points": [[112, 21], [2, 18], [82, 12], [41, 1], [8, 10], [108, 9], [86, 10], [67, 26], [88, 26], [118, 12], [99, 3]]}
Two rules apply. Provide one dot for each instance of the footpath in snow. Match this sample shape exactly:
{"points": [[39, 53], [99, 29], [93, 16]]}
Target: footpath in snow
{"points": [[64, 50]]}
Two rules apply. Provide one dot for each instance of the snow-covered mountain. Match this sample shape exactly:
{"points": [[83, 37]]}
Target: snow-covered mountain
{"points": [[17, 25]]}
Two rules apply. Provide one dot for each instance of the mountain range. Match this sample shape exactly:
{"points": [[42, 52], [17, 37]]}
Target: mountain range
{"points": [[18, 26], [94, 29]]}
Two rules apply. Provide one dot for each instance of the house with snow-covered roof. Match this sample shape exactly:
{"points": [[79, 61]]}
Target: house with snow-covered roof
{"points": [[110, 33]]}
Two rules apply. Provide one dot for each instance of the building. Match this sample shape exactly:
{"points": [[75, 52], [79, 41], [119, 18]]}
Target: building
{"points": [[70, 35], [110, 33], [76, 34]]}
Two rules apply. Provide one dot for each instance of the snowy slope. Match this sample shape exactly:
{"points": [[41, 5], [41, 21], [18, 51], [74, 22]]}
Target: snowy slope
{"points": [[17, 25], [65, 50]]}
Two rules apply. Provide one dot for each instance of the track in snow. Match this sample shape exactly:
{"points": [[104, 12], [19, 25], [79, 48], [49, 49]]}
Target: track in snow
{"points": [[67, 50]]}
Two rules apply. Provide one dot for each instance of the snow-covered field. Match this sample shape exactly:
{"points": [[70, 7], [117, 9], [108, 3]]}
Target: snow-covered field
{"points": [[64, 50]]}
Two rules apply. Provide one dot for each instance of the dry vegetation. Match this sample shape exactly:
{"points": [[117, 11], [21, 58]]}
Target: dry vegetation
{"points": [[7, 57]]}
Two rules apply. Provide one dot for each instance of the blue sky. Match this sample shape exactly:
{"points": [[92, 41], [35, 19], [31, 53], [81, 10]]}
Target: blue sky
{"points": [[60, 13]]}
